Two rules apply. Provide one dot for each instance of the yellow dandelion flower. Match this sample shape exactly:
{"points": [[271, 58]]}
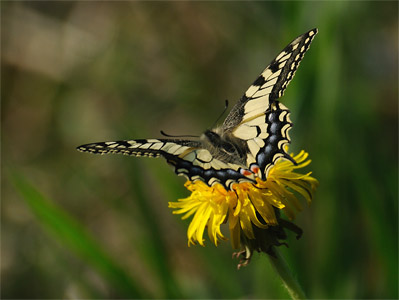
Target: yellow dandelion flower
{"points": [[251, 210]]}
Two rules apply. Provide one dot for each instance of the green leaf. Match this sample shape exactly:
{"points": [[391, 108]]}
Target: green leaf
{"points": [[74, 236]]}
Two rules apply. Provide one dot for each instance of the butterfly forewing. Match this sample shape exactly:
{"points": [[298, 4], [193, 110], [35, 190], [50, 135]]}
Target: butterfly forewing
{"points": [[189, 158], [258, 118], [144, 147], [258, 127], [271, 83]]}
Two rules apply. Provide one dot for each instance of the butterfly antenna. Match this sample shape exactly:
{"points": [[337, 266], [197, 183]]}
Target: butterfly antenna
{"points": [[178, 136], [226, 105]]}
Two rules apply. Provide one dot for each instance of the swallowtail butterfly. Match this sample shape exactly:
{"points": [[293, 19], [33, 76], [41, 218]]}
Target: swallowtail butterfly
{"points": [[246, 146]]}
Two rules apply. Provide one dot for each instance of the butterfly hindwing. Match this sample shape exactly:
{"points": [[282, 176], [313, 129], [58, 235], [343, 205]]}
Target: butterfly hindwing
{"points": [[266, 137], [258, 118], [189, 158], [250, 141]]}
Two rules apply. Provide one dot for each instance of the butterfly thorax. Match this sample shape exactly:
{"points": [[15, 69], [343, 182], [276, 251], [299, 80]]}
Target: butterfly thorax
{"points": [[248, 143], [224, 146]]}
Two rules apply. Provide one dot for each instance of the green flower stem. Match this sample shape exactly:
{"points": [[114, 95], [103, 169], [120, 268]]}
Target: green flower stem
{"points": [[290, 283]]}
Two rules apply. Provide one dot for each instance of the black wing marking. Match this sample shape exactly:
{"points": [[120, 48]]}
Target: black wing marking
{"points": [[187, 157], [282, 69], [266, 137], [271, 83], [258, 118], [143, 147]]}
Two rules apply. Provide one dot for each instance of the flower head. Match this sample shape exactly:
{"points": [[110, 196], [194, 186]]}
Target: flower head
{"points": [[251, 210]]}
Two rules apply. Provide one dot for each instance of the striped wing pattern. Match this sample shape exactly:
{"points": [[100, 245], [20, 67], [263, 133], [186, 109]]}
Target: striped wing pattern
{"points": [[271, 83], [266, 136], [258, 121], [188, 158], [263, 122]]}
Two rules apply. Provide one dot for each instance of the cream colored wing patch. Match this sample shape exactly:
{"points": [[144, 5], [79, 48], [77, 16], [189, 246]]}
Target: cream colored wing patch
{"points": [[257, 128], [265, 136], [189, 159], [272, 82]]}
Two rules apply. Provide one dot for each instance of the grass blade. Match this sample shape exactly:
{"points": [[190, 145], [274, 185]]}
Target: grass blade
{"points": [[74, 236]]}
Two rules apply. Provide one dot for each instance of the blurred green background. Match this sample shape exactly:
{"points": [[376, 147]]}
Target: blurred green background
{"points": [[76, 225]]}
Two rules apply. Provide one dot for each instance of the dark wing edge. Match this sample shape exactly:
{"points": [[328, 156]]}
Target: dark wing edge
{"points": [[288, 61], [190, 159], [266, 137], [272, 82], [187, 157], [141, 147], [262, 121], [278, 127]]}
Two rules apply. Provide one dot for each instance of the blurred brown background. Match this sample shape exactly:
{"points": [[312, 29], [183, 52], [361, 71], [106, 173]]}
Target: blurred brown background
{"points": [[80, 72]]}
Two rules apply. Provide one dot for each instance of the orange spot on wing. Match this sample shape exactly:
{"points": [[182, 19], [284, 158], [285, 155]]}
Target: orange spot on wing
{"points": [[255, 169], [246, 172]]}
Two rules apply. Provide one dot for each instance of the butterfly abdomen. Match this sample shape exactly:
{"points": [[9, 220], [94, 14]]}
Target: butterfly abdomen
{"points": [[250, 141]]}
